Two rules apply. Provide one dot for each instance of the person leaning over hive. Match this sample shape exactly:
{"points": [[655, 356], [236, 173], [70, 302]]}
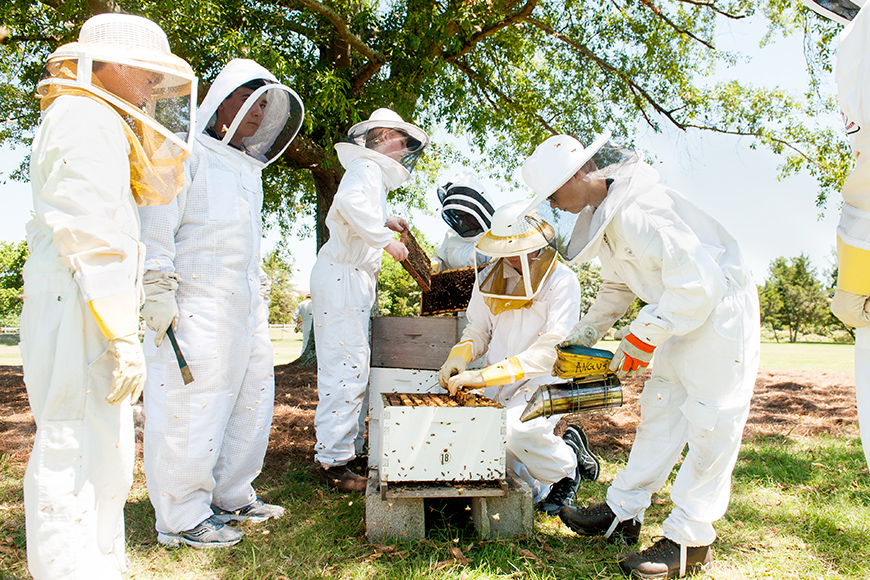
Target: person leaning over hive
{"points": [[205, 441], [467, 209], [701, 320], [378, 156], [523, 303], [112, 105]]}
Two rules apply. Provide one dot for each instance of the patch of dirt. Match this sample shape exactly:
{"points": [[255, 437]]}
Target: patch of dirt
{"points": [[785, 402]]}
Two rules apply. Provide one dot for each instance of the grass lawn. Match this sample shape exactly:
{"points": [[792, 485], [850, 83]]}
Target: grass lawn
{"points": [[774, 356]]}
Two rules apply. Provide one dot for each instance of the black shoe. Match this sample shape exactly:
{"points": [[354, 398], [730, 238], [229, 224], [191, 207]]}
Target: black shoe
{"points": [[597, 520], [341, 478], [587, 463], [210, 533], [563, 491], [662, 560]]}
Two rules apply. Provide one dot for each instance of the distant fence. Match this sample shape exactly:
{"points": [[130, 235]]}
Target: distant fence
{"points": [[8, 330]]}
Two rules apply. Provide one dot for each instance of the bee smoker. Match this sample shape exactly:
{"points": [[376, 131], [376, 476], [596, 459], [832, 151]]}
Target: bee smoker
{"points": [[589, 394]]}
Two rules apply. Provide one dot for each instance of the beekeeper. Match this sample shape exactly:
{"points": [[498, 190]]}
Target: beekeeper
{"points": [[851, 302], [701, 321], [302, 319], [205, 441], [378, 156], [112, 105], [467, 209], [523, 304]]}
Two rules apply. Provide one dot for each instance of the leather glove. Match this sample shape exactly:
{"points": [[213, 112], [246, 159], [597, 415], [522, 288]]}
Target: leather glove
{"points": [[452, 366], [129, 376], [160, 309], [622, 333], [473, 379], [581, 335], [632, 355], [852, 309]]}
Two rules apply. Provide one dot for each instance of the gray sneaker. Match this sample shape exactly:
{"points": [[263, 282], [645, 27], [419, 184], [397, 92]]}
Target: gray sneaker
{"points": [[210, 533], [256, 511], [587, 464]]}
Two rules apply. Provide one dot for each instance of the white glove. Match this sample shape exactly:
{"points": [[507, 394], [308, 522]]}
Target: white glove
{"points": [[452, 366], [160, 309], [473, 379], [632, 355], [581, 335], [265, 288], [852, 309], [129, 376]]}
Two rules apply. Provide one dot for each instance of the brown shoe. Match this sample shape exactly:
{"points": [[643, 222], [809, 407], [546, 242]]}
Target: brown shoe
{"points": [[666, 559], [341, 478]]}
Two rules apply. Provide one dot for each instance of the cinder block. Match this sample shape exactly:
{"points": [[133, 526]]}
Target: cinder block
{"points": [[402, 519], [506, 516]]}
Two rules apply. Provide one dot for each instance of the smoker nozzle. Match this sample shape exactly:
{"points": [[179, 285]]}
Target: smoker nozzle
{"points": [[579, 395]]}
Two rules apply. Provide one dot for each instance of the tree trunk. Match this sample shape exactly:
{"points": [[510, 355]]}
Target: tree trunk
{"points": [[308, 357]]}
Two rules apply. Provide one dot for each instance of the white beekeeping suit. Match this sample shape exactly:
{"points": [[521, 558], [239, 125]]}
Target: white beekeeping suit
{"points": [[467, 209], [302, 320], [851, 301], [517, 314], [97, 153], [205, 441], [377, 156], [701, 319]]}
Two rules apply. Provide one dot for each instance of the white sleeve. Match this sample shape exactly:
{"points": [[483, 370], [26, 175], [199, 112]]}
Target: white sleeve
{"points": [[80, 159], [692, 282], [160, 223], [562, 313], [358, 201], [611, 304]]}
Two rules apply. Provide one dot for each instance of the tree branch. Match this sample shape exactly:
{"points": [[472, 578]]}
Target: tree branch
{"points": [[712, 6], [487, 86], [658, 12], [509, 20], [343, 31], [605, 66]]}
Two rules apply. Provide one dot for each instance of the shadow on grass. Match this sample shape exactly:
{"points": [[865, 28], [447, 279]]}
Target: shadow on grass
{"points": [[8, 340]]}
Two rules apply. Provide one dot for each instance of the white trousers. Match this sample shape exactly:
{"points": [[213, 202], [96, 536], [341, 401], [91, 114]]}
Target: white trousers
{"points": [[862, 386], [81, 468], [205, 441], [533, 451], [699, 395], [342, 298]]}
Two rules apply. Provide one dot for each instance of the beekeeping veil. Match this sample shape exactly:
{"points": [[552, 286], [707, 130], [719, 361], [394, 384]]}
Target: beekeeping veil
{"points": [[124, 61], [386, 139], [465, 205], [514, 238], [555, 161], [842, 11], [282, 111]]}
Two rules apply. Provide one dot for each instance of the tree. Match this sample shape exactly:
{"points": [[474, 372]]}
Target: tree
{"points": [[398, 293], [792, 297], [283, 297], [12, 258], [504, 73]]}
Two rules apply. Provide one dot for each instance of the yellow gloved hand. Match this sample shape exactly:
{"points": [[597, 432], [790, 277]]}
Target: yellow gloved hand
{"points": [[128, 378], [852, 309], [451, 367], [472, 379], [118, 319]]}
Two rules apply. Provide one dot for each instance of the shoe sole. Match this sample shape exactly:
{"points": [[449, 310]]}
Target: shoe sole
{"points": [[585, 441], [690, 571], [616, 537], [227, 518], [175, 540]]}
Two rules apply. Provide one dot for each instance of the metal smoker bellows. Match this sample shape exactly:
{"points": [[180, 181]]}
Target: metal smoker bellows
{"points": [[592, 387]]}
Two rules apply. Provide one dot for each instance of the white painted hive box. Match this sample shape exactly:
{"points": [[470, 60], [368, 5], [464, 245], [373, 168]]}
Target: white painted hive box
{"points": [[434, 443]]}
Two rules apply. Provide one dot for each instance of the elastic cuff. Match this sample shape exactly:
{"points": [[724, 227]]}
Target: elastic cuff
{"points": [[464, 349], [503, 373], [853, 265]]}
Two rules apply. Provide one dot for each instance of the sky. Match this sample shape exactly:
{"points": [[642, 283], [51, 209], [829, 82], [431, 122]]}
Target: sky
{"points": [[721, 174]]}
